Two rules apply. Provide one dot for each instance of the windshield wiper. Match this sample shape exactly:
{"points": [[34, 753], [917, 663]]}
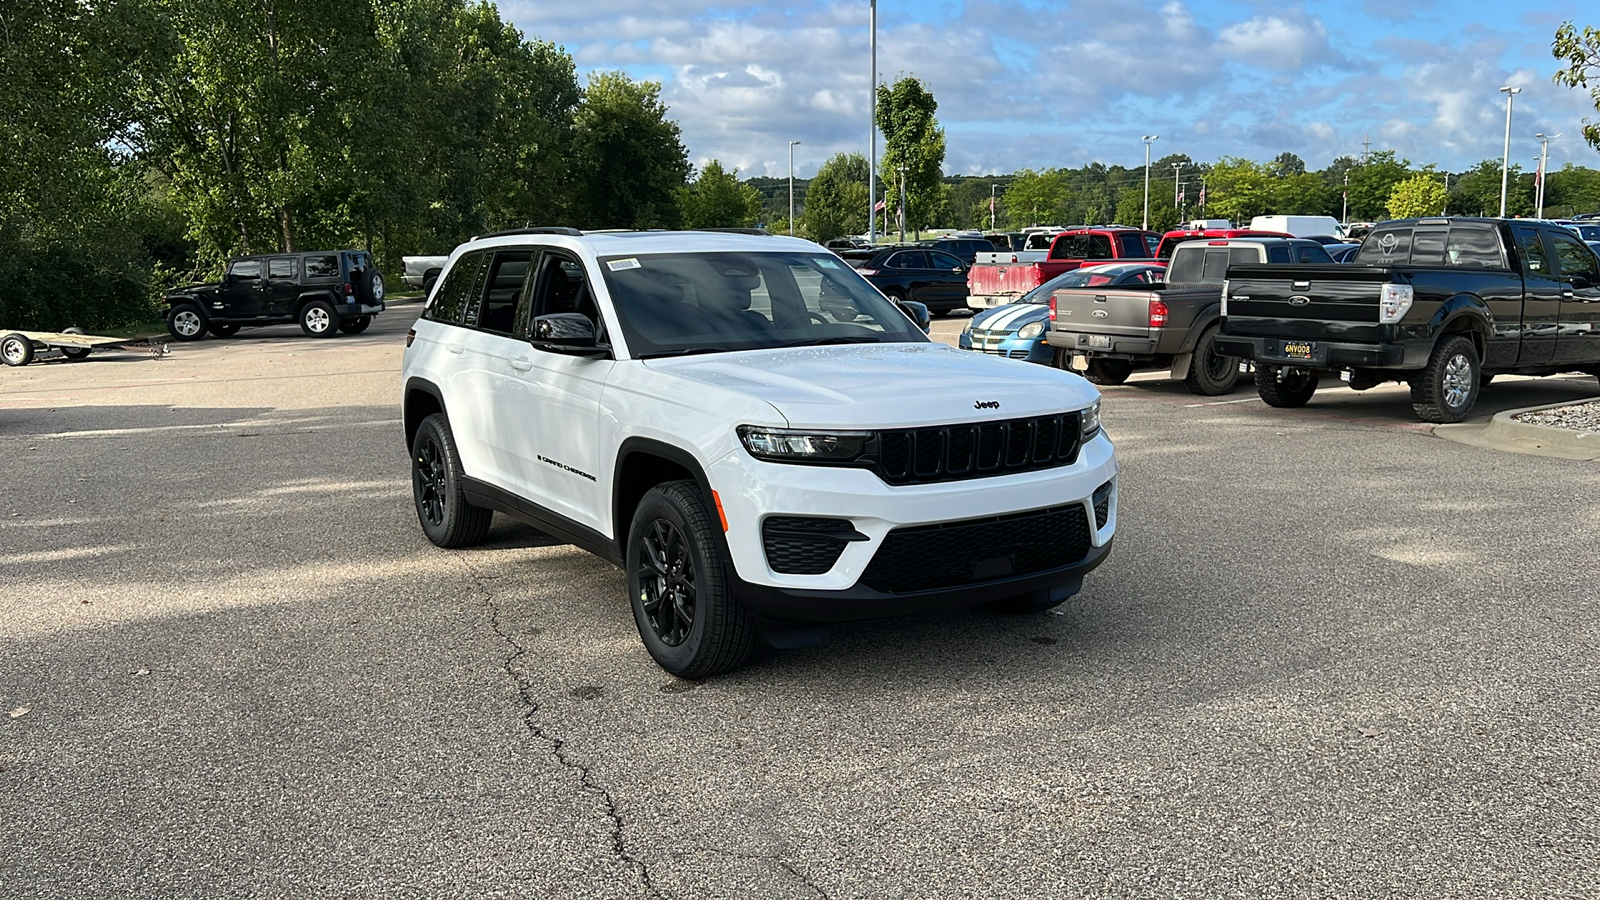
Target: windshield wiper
{"points": [[681, 351], [840, 339]]}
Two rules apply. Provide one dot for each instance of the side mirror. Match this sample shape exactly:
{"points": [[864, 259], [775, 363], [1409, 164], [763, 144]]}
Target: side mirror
{"points": [[1581, 282], [916, 312], [571, 333]]}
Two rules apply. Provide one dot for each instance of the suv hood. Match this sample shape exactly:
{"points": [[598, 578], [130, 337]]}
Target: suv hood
{"points": [[885, 385], [197, 287]]}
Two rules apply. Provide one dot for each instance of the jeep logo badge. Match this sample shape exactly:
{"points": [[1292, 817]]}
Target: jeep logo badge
{"points": [[1299, 300], [986, 404]]}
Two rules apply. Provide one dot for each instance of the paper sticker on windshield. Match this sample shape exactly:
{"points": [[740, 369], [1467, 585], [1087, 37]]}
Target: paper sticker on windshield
{"points": [[827, 264], [618, 265]]}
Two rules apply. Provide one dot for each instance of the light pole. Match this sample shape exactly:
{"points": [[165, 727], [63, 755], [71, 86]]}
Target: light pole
{"points": [[902, 170], [872, 142], [1176, 168], [1345, 217], [1505, 158], [1147, 139], [791, 187], [1544, 160], [992, 189]]}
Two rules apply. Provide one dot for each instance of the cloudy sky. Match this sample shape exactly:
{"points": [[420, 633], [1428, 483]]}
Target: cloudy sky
{"points": [[1030, 84]]}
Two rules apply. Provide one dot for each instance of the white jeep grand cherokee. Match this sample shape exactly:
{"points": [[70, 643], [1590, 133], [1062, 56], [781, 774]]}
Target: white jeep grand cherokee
{"points": [[756, 435]]}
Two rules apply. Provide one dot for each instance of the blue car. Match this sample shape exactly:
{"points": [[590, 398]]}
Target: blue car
{"points": [[1017, 330]]}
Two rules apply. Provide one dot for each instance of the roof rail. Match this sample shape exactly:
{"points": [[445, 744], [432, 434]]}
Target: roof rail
{"points": [[736, 230], [537, 229]]}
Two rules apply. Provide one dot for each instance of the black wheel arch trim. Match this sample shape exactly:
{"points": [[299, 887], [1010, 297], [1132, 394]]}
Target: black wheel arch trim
{"points": [[412, 423], [635, 446]]}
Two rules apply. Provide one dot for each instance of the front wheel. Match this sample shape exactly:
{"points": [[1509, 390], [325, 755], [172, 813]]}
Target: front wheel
{"points": [[678, 586], [1211, 373], [447, 518], [319, 319], [1108, 371], [186, 322], [1284, 387], [1446, 390], [355, 326]]}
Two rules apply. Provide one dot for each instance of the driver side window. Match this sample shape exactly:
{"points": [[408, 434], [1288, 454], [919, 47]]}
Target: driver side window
{"points": [[1574, 258]]}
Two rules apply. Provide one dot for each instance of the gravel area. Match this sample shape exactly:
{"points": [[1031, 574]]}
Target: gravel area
{"points": [[1579, 417]]}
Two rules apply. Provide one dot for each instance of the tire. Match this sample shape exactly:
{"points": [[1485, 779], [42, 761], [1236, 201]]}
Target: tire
{"points": [[16, 350], [1211, 373], [355, 326], [1446, 390], [222, 331], [319, 319], [1293, 391], [447, 518], [185, 322], [371, 286], [75, 352], [427, 285], [678, 586], [1108, 371]]}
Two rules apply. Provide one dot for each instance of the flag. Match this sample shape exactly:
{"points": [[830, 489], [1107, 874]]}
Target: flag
{"points": [[991, 204], [1181, 195], [1538, 174], [879, 206], [1202, 195]]}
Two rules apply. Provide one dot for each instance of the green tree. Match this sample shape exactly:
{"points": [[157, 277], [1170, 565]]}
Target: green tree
{"points": [[913, 153], [1372, 183], [1477, 191], [836, 199], [717, 199], [630, 157], [1036, 198], [1286, 164], [1580, 52], [1238, 189], [1419, 195], [1572, 189]]}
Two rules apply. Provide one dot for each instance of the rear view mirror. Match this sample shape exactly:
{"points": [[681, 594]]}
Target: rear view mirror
{"points": [[917, 312], [1580, 282]]}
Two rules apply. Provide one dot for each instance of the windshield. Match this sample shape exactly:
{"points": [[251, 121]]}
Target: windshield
{"points": [[1088, 277], [673, 304]]}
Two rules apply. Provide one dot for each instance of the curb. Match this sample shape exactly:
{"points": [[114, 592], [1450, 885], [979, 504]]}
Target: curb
{"points": [[1571, 443]]}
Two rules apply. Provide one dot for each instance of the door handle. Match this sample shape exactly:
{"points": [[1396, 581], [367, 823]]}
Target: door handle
{"points": [[1567, 295], [455, 348], [522, 364]]}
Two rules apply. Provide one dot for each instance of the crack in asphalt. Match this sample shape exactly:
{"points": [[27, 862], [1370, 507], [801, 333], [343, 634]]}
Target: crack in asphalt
{"points": [[558, 746]]}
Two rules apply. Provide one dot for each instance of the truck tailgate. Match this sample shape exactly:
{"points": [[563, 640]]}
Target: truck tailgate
{"points": [[1337, 302], [1006, 278], [1119, 311]]}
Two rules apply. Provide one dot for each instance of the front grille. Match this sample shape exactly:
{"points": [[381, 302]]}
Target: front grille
{"points": [[974, 450], [805, 545], [1018, 354], [925, 557], [989, 341]]}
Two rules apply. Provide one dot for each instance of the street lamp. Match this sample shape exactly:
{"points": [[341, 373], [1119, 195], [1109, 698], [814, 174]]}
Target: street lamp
{"points": [[872, 142], [791, 187], [992, 189], [902, 170], [1505, 158], [1147, 139], [1544, 160], [1176, 168]]}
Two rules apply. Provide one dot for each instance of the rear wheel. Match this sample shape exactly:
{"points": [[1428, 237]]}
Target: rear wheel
{"points": [[1446, 390], [16, 350], [1108, 371], [1211, 373], [319, 319], [447, 518], [74, 352], [186, 322], [1285, 388], [355, 326], [678, 586], [427, 285]]}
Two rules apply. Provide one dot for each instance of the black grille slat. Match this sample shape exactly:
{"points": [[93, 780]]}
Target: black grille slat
{"points": [[928, 557], [955, 452]]}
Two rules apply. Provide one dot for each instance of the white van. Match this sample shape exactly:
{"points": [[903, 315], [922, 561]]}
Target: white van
{"points": [[1209, 224], [1299, 226]]}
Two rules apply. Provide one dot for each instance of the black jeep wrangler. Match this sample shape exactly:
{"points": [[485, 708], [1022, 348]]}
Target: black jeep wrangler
{"points": [[326, 291]]}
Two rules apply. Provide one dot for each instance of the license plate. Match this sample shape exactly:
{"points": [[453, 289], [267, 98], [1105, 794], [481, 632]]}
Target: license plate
{"points": [[1101, 341], [1298, 349]]}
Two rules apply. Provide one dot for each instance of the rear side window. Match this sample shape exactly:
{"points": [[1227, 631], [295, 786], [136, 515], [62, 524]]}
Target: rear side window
{"points": [[1472, 247], [322, 267], [280, 268], [1311, 253], [1278, 255], [939, 260], [460, 285], [503, 291]]}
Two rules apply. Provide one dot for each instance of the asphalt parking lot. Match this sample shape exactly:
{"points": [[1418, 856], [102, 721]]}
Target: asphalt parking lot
{"points": [[1333, 654]]}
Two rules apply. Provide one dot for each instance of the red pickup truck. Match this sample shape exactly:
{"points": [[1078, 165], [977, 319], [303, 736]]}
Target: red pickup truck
{"points": [[996, 279]]}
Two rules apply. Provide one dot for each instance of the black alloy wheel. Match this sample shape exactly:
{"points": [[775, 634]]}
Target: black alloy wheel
{"points": [[1211, 373], [447, 518], [667, 582]]}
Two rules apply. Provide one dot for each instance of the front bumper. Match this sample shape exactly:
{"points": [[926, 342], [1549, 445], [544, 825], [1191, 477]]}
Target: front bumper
{"points": [[1325, 354], [752, 491], [1009, 347]]}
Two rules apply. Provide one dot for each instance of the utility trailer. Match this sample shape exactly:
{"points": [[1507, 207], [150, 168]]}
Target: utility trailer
{"points": [[18, 348]]}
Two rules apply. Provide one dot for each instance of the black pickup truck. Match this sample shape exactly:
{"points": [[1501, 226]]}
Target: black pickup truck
{"points": [[1442, 304]]}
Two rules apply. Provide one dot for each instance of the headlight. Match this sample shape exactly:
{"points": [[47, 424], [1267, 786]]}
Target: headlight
{"points": [[1031, 330], [785, 445], [1090, 419], [967, 328]]}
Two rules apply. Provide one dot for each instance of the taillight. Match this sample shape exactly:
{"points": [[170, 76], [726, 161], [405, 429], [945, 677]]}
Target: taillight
{"points": [[349, 289], [1052, 307], [1158, 314], [411, 336], [1013, 257]]}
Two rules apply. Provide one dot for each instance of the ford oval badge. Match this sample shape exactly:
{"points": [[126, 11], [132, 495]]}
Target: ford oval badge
{"points": [[1299, 300], [1100, 314]]}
